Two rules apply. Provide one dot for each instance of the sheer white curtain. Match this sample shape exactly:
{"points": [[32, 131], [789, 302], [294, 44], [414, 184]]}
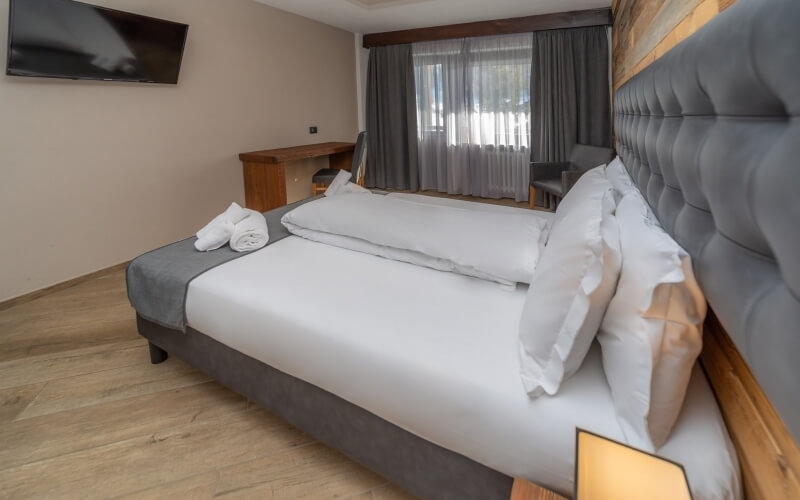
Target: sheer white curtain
{"points": [[473, 115]]}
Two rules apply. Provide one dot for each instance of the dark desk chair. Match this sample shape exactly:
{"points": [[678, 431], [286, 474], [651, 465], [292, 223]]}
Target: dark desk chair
{"points": [[323, 178], [556, 178]]}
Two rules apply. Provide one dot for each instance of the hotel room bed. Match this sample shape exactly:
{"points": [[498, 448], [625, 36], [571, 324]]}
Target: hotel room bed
{"points": [[414, 373], [432, 353], [435, 354]]}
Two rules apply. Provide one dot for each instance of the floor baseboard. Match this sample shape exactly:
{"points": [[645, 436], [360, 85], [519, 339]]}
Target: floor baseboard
{"points": [[21, 299]]}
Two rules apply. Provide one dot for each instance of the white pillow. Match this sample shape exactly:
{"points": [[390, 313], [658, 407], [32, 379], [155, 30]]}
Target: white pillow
{"points": [[652, 332], [339, 182], [619, 177], [571, 286], [623, 184]]}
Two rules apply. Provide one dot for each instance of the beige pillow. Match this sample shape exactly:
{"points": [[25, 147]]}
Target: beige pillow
{"points": [[652, 332]]}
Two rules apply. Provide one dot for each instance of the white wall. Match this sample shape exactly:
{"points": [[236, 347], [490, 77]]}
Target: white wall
{"points": [[93, 174]]}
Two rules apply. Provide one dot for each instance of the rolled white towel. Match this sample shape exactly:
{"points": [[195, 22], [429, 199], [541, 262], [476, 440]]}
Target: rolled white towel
{"points": [[236, 213], [250, 233], [219, 231], [214, 235]]}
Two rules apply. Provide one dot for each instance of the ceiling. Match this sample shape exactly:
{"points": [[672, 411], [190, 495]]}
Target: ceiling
{"points": [[375, 16]]}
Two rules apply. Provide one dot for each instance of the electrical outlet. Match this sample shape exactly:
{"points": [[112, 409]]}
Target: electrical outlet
{"points": [[312, 130]]}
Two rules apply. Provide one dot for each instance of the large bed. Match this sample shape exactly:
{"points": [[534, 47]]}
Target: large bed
{"points": [[414, 372], [433, 353]]}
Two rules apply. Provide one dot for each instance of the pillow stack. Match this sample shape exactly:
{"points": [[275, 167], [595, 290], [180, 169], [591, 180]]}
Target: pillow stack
{"points": [[609, 266], [652, 332], [619, 178]]}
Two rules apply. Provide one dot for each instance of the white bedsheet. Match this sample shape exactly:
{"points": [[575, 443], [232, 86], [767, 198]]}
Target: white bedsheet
{"points": [[436, 354]]}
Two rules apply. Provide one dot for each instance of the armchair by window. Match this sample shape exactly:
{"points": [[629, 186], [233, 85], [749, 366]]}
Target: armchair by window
{"points": [[554, 179]]}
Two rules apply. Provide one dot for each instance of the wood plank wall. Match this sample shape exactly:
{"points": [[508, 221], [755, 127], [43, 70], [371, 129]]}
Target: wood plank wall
{"points": [[644, 30]]}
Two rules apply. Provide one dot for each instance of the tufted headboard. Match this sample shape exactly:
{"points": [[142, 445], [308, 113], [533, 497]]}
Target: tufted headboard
{"points": [[710, 132]]}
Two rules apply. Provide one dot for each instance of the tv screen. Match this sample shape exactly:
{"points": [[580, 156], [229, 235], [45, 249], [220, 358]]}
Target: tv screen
{"points": [[68, 39]]}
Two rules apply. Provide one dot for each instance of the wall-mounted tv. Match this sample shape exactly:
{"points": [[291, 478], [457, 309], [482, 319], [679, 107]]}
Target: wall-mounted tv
{"points": [[69, 39]]}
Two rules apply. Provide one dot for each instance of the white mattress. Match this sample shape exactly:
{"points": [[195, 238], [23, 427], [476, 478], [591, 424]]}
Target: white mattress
{"points": [[434, 353]]}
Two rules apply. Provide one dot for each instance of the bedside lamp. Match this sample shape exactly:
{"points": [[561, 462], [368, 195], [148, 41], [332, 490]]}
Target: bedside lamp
{"points": [[608, 470]]}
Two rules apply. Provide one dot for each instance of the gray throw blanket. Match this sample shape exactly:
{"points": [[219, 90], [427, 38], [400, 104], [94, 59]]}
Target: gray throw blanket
{"points": [[158, 280]]}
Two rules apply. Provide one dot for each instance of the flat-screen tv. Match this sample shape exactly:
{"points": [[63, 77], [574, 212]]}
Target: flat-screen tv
{"points": [[68, 39]]}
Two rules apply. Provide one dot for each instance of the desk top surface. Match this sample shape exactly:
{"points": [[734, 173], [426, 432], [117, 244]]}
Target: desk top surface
{"points": [[297, 152]]}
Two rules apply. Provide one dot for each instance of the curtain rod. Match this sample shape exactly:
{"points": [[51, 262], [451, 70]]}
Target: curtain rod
{"points": [[558, 20]]}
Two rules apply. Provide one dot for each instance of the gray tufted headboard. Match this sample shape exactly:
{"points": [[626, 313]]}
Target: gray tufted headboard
{"points": [[710, 132]]}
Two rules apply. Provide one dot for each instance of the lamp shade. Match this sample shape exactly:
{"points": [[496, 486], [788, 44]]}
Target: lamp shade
{"points": [[608, 470]]}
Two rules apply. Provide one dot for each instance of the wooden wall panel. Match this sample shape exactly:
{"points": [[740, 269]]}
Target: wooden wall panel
{"points": [[644, 30], [768, 456], [558, 20]]}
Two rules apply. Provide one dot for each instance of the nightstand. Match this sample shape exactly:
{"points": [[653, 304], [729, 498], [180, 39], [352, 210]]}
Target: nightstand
{"points": [[525, 490]]}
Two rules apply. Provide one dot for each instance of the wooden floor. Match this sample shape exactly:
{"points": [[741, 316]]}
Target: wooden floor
{"points": [[83, 414]]}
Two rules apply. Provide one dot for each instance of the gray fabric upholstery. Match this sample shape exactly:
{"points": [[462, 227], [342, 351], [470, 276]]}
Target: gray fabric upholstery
{"points": [[584, 157], [558, 177], [570, 95], [550, 185], [419, 466], [710, 132], [325, 176], [391, 119], [542, 170]]}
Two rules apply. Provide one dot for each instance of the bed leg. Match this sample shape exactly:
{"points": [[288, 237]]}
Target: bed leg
{"points": [[157, 354]]}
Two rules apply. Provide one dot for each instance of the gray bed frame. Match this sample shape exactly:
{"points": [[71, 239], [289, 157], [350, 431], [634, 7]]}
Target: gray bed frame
{"points": [[710, 133], [417, 465]]}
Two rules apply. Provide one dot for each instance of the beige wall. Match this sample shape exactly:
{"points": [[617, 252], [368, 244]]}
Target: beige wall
{"points": [[93, 174]]}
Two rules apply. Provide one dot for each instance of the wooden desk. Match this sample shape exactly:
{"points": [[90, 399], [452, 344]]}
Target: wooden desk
{"points": [[265, 171]]}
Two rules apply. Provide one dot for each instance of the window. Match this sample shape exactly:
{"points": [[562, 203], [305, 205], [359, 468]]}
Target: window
{"points": [[473, 115]]}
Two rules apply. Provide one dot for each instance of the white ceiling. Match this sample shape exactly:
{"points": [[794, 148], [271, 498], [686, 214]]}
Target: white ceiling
{"points": [[375, 16]]}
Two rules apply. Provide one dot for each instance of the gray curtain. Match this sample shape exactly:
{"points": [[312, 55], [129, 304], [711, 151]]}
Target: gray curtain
{"points": [[570, 95], [391, 119]]}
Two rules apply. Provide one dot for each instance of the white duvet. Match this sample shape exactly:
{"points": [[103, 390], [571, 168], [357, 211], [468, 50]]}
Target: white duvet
{"points": [[501, 247]]}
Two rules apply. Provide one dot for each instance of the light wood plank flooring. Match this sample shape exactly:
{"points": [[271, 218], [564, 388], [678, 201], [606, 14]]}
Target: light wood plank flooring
{"points": [[83, 414]]}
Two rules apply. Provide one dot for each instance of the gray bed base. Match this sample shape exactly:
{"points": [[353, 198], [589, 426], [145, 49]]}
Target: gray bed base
{"points": [[418, 466]]}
